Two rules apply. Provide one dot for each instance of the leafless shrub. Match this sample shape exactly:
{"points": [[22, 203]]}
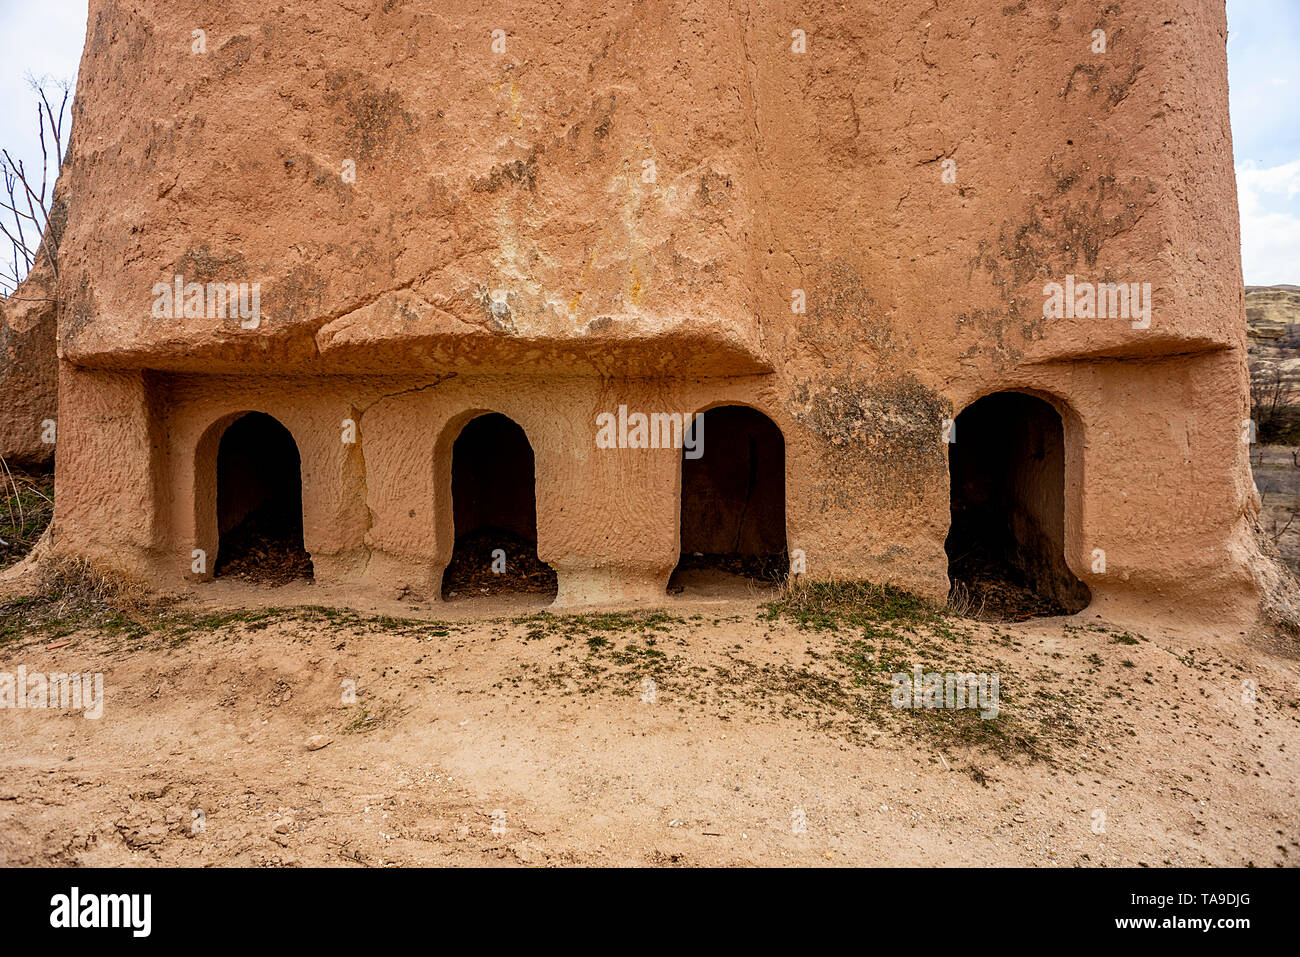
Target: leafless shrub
{"points": [[1272, 397], [69, 585], [25, 208], [962, 603], [26, 506]]}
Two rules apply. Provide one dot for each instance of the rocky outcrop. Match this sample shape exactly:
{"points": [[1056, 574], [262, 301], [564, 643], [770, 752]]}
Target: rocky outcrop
{"points": [[29, 371], [1273, 328], [375, 225]]}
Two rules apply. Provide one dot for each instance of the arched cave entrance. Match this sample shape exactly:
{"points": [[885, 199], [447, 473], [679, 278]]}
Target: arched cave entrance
{"points": [[494, 508], [1006, 544], [259, 503], [733, 501]]}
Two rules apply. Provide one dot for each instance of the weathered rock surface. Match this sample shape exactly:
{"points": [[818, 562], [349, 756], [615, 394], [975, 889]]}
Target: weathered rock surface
{"points": [[615, 183], [550, 212], [1273, 327], [29, 370]]}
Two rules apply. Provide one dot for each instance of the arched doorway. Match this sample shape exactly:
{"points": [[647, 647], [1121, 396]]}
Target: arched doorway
{"points": [[259, 503], [733, 501], [494, 511], [1006, 543]]}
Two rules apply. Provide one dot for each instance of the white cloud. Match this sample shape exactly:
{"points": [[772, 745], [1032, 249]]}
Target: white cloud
{"points": [[1270, 223]]}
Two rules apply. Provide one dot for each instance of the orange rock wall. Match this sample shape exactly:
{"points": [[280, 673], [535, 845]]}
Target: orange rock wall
{"points": [[621, 208]]}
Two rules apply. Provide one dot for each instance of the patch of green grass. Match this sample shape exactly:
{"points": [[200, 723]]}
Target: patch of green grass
{"points": [[362, 719], [830, 605], [546, 623], [179, 626], [841, 684], [634, 655], [885, 631], [74, 596]]}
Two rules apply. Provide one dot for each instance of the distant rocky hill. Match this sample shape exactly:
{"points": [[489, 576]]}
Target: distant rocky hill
{"points": [[1273, 327], [1273, 331]]}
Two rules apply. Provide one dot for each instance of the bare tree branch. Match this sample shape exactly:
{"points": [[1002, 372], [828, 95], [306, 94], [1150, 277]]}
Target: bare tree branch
{"points": [[22, 191]]}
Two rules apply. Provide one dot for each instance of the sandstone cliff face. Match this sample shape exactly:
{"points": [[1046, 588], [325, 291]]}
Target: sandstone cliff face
{"points": [[615, 177], [1273, 324], [552, 210], [29, 379]]}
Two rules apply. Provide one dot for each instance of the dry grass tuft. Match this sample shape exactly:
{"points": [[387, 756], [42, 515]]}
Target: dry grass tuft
{"points": [[962, 604], [71, 584], [827, 604], [26, 506], [73, 593]]}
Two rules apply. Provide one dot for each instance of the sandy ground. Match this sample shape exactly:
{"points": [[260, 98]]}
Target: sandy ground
{"points": [[484, 734]]}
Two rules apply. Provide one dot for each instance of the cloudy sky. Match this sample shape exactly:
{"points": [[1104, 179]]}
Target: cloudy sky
{"points": [[44, 37], [1264, 94], [37, 38]]}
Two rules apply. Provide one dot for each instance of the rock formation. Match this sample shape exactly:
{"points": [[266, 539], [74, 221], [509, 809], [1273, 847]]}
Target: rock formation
{"points": [[29, 370], [374, 223], [1273, 325]]}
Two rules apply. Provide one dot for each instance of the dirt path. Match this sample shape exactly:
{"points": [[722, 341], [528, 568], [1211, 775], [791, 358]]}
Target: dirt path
{"points": [[707, 734]]}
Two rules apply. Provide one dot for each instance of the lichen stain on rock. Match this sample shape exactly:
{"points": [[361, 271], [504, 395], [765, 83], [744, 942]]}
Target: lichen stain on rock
{"points": [[1095, 83], [202, 264], [295, 297], [715, 188], [521, 173], [601, 117], [1060, 233], [111, 24], [233, 54], [405, 312], [56, 224], [886, 436], [496, 310], [374, 120], [844, 322], [77, 314], [1110, 78], [440, 202], [306, 166]]}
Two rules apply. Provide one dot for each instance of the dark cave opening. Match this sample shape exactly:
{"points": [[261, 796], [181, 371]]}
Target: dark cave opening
{"points": [[1006, 543], [733, 499], [259, 503], [494, 509]]}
